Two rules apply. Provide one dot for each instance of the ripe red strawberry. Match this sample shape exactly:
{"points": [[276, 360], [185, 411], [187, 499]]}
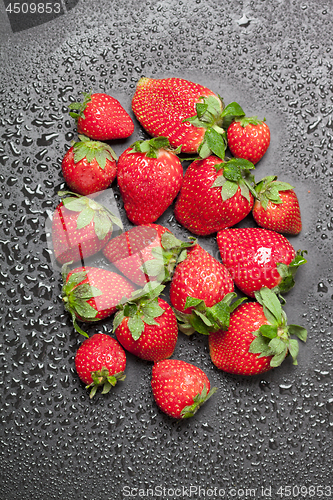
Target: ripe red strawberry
{"points": [[257, 257], [277, 207], [248, 138], [146, 326], [149, 177], [89, 166], [200, 276], [214, 195], [258, 337], [187, 113], [100, 361], [81, 227], [179, 388], [92, 294], [146, 253], [101, 117]]}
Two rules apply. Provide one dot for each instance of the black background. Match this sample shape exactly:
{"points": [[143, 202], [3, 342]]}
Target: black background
{"points": [[274, 58]]}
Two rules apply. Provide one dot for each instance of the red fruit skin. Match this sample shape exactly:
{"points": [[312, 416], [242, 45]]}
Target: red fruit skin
{"points": [[133, 248], [284, 217], [97, 352], [200, 208], [113, 287], [229, 350], [148, 185], [200, 276], [87, 178], [251, 255], [175, 384], [250, 142], [156, 342], [71, 244], [105, 119], [162, 105]]}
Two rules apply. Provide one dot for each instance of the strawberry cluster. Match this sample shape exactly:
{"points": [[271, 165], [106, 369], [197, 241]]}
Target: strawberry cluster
{"points": [[216, 192]]}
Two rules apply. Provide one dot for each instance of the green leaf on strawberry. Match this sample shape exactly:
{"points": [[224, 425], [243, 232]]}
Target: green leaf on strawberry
{"points": [[287, 272], [152, 146], [236, 173], [93, 150], [230, 112], [268, 190], [79, 107], [198, 400], [273, 339]]}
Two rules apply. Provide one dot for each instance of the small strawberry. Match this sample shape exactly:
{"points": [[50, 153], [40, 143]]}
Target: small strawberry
{"points": [[187, 113], [179, 388], [199, 276], [257, 257], [89, 166], [258, 337], [277, 207], [92, 294], [146, 253], [248, 138], [214, 195], [149, 177], [100, 361], [146, 326], [81, 227], [101, 117]]}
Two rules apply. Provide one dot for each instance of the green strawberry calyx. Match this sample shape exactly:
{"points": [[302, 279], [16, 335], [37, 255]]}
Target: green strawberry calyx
{"points": [[198, 400], [167, 256], [244, 121], [102, 378], [76, 294], [90, 211], [152, 147], [205, 320], [77, 108], [288, 271], [268, 190], [273, 339], [93, 150], [141, 309], [236, 174]]}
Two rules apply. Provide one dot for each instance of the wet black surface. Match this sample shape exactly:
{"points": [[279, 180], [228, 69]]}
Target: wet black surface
{"points": [[265, 432]]}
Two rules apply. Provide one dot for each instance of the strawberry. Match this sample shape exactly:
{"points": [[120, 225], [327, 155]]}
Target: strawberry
{"points": [[81, 227], [199, 276], [187, 113], [248, 138], [258, 337], [101, 117], [257, 257], [179, 388], [214, 195], [100, 361], [146, 253], [149, 177], [146, 326], [277, 206], [89, 166], [92, 294]]}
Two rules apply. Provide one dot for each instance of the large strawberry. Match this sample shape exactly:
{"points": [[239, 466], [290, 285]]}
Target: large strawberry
{"points": [[258, 337], [89, 166], [92, 294], [146, 326], [214, 195], [149, 177], [146, 253], [248, 138], [203, 278], [101, 117], [81, 227], [179, 388], [187, 113], [100, 361], [257, 257], [276, 206]]}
